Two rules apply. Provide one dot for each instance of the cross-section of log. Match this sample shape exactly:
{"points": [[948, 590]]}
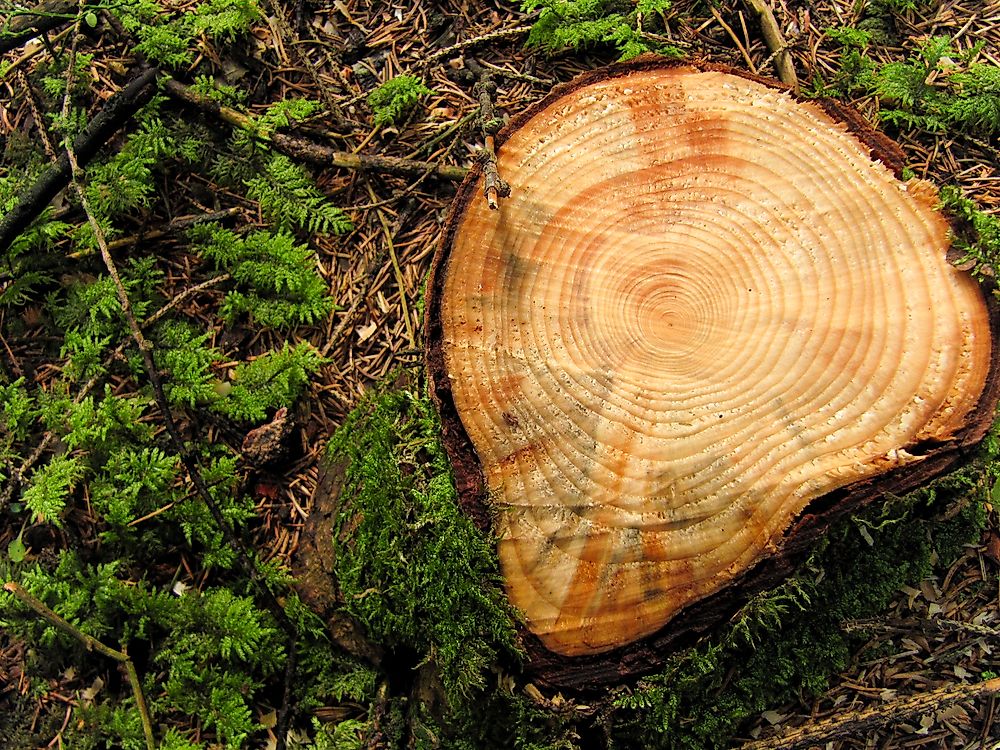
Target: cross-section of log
{"points": [[705, 307]]}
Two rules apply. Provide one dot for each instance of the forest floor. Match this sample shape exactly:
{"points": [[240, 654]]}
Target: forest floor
{"points": [[943, 631]]}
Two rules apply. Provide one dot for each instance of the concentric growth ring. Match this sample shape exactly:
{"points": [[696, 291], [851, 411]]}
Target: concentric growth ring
{"points": [[703, 306]]}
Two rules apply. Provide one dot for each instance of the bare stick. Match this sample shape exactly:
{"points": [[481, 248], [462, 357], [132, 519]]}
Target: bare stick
{"points": [[494, 187], [91, 644], [862, 723], [775, 41], [187, 457], [313, 152], [493, 36]]}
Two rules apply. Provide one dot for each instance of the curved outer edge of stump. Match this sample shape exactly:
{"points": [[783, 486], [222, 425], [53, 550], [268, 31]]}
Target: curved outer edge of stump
{"points": [[592, 672]]}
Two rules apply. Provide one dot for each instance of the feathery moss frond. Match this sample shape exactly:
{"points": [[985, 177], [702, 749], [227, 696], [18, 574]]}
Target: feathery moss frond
{"points": [[394, 98]]}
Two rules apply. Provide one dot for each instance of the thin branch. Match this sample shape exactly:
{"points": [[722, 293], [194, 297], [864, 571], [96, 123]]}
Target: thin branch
{"points": [[36, 113], [863, 723], [494, 187], [493, 36], [91, 644], [183, 222], [775, 41], [312, 152], [396, 269], [736, 40], [31, 54], [146, 351]]}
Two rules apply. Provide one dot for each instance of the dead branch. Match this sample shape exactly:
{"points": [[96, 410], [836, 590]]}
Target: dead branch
{"points": [[177, 225], [775, 41], [314, 153], [119, 110], [494, 187], [861, 723], [493, 36]]}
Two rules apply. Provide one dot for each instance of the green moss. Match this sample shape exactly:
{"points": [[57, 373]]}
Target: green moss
{"points": [[412, 569]]}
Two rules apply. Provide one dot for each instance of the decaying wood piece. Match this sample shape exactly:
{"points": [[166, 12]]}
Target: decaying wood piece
{"points": [[709, 318]]}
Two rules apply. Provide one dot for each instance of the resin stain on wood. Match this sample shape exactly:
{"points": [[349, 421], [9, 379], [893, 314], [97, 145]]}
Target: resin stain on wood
{"points": [[705, 305]]}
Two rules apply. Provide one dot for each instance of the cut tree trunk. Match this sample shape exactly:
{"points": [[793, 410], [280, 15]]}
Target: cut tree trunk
{"points": [[709, 319]]}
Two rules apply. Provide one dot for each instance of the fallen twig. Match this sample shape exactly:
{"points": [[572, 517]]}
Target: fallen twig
{"points": [[494, 187], [493, 36], [775, 41], [91, 644], [934, 624], [178, 224], [120, 108], [313, 152], [188, 459], [862, 723]]}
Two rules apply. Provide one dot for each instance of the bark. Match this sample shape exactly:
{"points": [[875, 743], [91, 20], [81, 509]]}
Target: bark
{"points": [[709, 321], [315, 572]]}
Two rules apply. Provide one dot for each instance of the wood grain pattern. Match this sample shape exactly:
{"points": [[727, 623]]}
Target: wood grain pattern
{"points": [[703, 306]]}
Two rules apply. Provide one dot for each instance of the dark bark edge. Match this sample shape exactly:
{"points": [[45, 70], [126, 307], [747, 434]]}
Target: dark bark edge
{"points": [[589, 673]]}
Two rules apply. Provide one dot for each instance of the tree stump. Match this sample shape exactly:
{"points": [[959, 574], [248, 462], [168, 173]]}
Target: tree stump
{"points": [[710, 319]]}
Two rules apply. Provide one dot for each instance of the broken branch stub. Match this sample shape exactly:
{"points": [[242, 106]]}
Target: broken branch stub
{"points": [[709, 318]]}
